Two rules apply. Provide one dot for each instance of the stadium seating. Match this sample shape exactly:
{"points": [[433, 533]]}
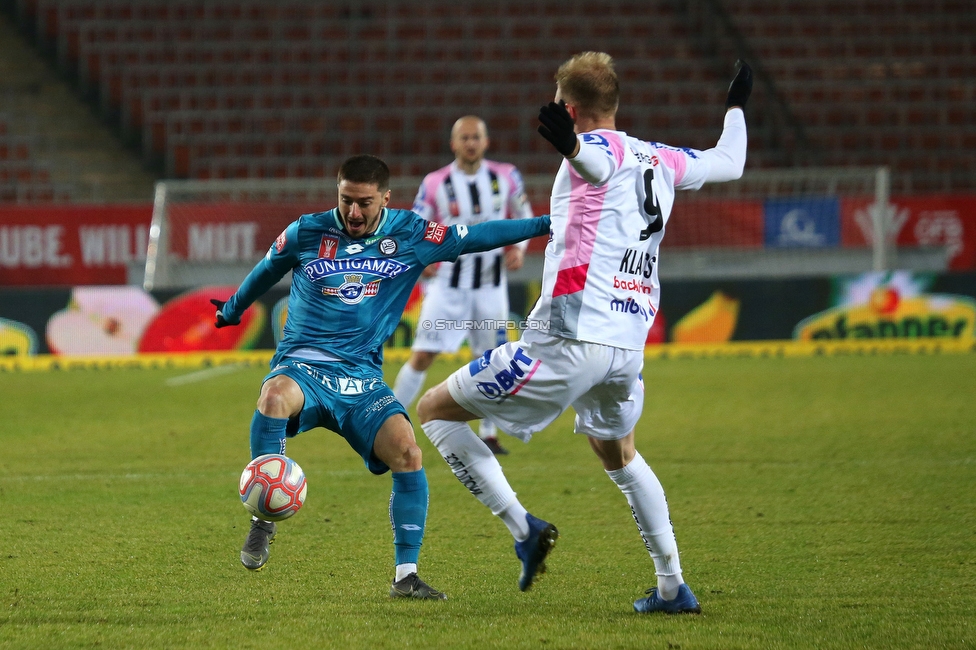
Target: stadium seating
{"points": [[221, 88], [875, 81], [24, 178]]}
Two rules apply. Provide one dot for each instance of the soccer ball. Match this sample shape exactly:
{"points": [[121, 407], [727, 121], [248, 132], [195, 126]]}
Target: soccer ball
{"points": [[273, 487]]}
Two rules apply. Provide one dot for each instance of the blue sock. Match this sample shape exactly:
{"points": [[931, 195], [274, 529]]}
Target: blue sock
{"points": [[408, 514], [267, 435]]}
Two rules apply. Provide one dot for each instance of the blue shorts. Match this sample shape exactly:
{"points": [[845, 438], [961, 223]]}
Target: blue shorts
{"points": [[350, 401]]}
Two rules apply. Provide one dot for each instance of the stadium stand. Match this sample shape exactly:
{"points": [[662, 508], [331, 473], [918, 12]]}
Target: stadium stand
{"points": [[874, 81], [24, 178], [52, 147], [247, 88]]}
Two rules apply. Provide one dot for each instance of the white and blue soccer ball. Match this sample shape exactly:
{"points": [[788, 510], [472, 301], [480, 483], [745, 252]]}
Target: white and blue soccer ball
{"points": [[273, 487]]}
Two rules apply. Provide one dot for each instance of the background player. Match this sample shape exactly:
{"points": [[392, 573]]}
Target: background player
{"points": [[474, 288], [353, 270], [611, 200]]}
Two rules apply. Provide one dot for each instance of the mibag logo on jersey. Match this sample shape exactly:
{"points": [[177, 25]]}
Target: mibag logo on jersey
{"points": [[630, 306], [353, 290], [378, 266], [510, 380], [435, 232]]}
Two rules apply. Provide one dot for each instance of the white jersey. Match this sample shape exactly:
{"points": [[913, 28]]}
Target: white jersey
{"points": [[610, 207], [450, 196]]}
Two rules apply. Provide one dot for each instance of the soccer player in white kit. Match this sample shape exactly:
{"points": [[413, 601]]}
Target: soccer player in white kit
{"points": [[611, 200], [467, 298]]}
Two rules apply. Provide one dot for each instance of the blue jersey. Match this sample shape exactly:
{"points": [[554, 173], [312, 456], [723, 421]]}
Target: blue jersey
{"points": [[347, 295]]}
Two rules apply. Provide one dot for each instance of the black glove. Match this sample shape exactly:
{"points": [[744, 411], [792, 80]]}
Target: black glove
{"points": [[557, 127], [741, 87], [221, 321]]}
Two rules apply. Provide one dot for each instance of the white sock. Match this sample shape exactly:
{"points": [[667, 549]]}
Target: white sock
{"points": [[487, 429], [479, 471], [403, 570], [408, 383], [650, 509], [514, 518]]}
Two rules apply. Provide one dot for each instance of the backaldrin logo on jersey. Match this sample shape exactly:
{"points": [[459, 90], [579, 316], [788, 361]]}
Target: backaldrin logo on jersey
{"points": [[888, 316]]}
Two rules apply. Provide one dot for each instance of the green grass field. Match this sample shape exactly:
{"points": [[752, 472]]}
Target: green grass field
{"points": [[818, 503]]}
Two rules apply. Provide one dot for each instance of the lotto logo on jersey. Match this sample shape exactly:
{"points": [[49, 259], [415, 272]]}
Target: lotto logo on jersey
{"points": [[328, 247], [509, 381], [435, 232]]}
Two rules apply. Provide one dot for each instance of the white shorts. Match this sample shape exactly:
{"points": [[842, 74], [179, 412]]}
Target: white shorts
{"points": [[449, 315], [524, 385]]}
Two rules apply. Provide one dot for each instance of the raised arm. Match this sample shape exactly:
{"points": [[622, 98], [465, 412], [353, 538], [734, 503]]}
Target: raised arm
{"points": [[727, 159]]}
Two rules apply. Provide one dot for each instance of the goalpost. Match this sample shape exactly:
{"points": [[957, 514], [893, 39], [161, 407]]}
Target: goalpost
{"points": [[770, 223]]}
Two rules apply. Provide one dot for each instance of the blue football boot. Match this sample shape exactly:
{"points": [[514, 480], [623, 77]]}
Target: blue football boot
{"points": [[533, 551], [684, 603]]}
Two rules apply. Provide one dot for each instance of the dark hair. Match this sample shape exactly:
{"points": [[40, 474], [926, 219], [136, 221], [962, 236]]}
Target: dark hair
{"points": [[365, 169]]}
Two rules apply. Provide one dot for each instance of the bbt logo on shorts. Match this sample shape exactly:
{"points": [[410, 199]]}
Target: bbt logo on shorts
{"points": [[510, 380]]}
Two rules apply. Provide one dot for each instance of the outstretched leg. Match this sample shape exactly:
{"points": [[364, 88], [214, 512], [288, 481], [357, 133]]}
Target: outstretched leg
{"points": [[479, 471], [628, 470], [280, 399]]}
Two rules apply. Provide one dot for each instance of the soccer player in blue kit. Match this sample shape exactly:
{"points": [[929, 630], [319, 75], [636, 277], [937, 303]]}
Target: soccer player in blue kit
{"points": [[353, 269]]}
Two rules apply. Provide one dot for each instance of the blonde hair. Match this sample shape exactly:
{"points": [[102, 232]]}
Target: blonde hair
{"points": [[589, 82]]}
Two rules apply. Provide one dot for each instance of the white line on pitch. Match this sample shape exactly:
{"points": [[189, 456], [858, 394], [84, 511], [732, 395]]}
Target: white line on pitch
{"points": [[203, 375]]}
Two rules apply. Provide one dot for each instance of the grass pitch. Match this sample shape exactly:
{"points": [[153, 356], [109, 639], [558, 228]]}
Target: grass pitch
{"points": [[818, 503]]}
